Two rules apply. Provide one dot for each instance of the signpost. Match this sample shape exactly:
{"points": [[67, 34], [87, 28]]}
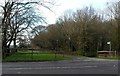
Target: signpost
{"points": [[109, 43]]}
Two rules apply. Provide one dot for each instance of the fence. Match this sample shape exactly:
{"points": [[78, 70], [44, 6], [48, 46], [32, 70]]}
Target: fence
{"points": [[107, 53]]}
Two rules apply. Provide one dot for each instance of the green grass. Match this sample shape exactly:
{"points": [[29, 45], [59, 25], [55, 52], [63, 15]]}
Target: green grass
{"points": [[28, 51], [34, 57], [113, 58]]}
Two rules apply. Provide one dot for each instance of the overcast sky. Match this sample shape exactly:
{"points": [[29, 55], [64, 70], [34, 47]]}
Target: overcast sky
{"points": [[73, 5], [62, 5]]}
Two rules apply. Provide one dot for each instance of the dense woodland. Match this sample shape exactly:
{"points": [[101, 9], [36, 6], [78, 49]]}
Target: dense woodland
{"points": [[85, 31]]}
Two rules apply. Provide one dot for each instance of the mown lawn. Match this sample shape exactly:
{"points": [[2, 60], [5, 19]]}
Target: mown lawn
{"points": [[34, 57]]}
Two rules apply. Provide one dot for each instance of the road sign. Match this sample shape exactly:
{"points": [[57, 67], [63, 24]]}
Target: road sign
{"points": [[108, 42]]}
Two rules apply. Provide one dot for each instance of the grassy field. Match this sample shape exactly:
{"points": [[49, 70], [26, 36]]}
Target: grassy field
{"points": [[34, 57]]}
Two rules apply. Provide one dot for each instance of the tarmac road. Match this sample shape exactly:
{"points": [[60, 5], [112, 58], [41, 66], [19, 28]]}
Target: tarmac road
{"points": [[76, 66]]}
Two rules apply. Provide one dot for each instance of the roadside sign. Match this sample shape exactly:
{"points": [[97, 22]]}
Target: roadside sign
{"points": [[108, 42]]}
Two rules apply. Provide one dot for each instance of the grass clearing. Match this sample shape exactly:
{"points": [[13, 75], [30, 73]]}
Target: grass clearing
{"points": [[34, 57]]}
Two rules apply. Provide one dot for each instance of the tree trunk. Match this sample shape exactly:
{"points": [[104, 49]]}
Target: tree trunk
{"points": [[4, 43], [15, 44]]}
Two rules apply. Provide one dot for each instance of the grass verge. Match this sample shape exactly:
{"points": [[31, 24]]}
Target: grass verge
{"points": [[112, 58], [19, 57]]}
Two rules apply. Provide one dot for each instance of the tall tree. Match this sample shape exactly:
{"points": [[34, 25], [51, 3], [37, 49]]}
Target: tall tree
{"points": [[19, 16], [114, 9]]}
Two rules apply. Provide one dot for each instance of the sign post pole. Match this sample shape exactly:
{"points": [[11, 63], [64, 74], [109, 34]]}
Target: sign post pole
{"points": [[109, 43]]}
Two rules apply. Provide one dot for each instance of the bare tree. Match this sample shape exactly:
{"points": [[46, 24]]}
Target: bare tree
{"points": [[19, 16]]}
